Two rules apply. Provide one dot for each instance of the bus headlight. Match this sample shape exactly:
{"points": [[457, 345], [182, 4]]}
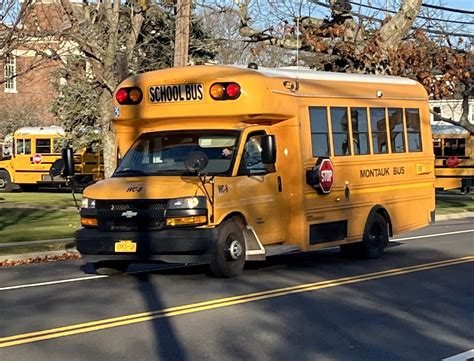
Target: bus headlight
{"points": [[88, 203], [187, 203]]}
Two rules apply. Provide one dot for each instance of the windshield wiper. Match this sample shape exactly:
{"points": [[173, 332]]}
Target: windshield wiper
{"points": [[129, 172]]}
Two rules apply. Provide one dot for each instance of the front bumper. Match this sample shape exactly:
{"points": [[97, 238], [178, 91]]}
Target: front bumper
{"points": [[179, 245]]}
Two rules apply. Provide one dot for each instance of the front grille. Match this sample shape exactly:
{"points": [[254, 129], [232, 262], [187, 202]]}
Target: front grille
{"points": [[122, 225], [131, 215], [155, 204]]}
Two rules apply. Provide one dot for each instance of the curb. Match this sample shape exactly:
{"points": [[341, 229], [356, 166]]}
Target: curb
{"points": [[445, 217]]}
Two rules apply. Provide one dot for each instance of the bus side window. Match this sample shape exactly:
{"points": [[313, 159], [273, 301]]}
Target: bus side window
{"points": [[437, 147], [340, 131], [454, 146], [251, 163], [397, 131], [360, 131], [319, 131], [379, 130], [43, 145], [462, 147], [412, 117], [23, 146]]}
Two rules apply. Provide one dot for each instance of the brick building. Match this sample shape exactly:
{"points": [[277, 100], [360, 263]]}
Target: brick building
{"points": [[26, 90]]}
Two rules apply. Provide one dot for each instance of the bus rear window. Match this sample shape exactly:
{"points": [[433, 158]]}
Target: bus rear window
{"points": [[412, 117]]}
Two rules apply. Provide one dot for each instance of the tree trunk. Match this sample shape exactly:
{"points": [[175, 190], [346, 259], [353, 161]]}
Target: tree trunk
{"points": [[181, 45], [392, 33], [108, 133]]}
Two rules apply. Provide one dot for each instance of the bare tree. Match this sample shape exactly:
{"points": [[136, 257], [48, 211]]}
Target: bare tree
{"points": [[115, 39], [346, 40]]}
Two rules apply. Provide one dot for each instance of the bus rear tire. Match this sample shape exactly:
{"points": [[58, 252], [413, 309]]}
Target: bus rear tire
{"points": [[228, 258], [374, 240], [6, 184], [111, 268]]}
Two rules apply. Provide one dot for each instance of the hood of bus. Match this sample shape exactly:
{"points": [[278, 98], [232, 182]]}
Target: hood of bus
{"points": [[151, 187]]}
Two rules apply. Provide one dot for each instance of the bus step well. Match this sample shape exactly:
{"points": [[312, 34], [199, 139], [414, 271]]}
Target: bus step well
{"points": [[277, 249]]}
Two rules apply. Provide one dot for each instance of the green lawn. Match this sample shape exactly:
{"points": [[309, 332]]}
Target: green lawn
{"points": [[38, 199], [28, 224], [458, 205], [37, 216]]}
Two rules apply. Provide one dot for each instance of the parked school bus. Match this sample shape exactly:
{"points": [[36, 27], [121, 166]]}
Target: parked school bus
{"points": [[228, 164], [454, 157], [34, 149]]}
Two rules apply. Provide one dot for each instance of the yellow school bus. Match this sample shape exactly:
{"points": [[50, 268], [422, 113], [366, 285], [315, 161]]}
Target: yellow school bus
{"points": [[32, 151], [454, 157], [222, 164]]}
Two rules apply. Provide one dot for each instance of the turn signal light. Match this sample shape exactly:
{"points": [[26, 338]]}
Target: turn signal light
{"points": [[131, 95], [225, 91], [89, 222], [186, 221]]}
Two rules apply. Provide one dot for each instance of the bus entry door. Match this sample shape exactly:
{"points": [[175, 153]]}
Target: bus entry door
{"points": [[260, 193]]}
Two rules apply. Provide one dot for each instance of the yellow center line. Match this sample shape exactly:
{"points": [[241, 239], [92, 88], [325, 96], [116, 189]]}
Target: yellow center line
{"points": [[216, 303]]}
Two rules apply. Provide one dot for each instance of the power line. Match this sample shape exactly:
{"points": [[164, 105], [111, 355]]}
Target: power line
{"points": [[419, 16], [447, 9], [438, 32]]}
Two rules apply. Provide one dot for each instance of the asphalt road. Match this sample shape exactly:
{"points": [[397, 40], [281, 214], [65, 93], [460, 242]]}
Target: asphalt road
{"points": [[415, 303]]}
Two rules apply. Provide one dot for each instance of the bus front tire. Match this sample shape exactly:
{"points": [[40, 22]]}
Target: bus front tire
{"points": [[6, 184], [228, 258], [374, 241], [110, 268]]}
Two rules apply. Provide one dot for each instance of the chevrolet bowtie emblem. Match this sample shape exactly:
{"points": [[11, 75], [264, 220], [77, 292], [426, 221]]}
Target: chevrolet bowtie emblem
{"points": [[129, 214]]}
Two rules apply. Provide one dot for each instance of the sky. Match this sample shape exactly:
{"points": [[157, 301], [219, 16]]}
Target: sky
{"points": [[458, 4]]}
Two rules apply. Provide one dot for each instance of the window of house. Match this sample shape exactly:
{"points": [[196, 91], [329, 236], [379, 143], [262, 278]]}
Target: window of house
{"points": [[397, 131], [360, 131], [412, 118], [23, 146], [340, 131], [319, 131], [43, 145], [10, 74], [379, 130]]}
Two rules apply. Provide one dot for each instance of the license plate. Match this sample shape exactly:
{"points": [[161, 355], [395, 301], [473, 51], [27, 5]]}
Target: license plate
{"points": [[125, 246]]}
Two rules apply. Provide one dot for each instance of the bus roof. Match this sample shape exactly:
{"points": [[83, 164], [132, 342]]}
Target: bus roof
{"points": [[51, 130], [268, 95], [308, 74]]}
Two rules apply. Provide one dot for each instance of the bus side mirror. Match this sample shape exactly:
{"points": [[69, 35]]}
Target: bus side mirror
{"points": [[269, 150], [67, 156]]}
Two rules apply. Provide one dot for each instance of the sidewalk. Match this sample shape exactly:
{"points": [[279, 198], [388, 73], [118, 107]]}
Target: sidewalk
{"points": [[445, 217]]}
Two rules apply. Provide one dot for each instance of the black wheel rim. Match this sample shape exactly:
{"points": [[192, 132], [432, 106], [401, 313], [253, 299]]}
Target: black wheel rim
{"points": [[376, 235]]}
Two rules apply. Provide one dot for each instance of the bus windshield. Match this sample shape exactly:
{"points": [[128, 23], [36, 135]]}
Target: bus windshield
{"points": [[165, 153]]}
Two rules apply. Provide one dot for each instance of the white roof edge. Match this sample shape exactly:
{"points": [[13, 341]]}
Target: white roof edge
{"points": [[308, 74], [54, 130]]}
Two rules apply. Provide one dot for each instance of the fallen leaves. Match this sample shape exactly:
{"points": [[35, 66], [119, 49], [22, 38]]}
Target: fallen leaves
{"points": [[48, 258]]}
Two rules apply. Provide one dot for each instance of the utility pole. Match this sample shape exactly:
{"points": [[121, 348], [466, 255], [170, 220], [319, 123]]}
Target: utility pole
{"points": [[181, 45]]}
